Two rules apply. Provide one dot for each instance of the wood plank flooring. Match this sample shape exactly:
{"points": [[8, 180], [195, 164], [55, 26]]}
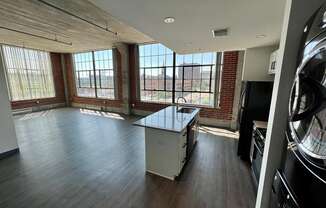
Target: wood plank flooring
{"points": [[72, 159]]}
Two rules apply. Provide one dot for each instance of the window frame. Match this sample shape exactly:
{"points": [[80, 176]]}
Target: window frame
{"points": [[93, 81], [215, 91], [7, 79]]}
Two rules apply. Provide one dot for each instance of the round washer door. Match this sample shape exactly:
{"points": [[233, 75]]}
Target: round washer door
{"points": [[307, 107]]}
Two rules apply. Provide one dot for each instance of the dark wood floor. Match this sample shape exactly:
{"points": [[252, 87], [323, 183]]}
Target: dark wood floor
{"points": [[72, 159]]}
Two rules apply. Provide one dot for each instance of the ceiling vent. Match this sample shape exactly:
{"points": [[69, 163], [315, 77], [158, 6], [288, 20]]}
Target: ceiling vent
{"points": [[220, 32]]}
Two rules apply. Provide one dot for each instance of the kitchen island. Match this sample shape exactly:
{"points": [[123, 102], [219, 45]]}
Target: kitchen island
{"points": [[170, 136]]}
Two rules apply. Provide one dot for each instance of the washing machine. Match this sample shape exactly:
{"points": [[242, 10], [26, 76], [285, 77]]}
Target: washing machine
{"points": [[301, 181]]}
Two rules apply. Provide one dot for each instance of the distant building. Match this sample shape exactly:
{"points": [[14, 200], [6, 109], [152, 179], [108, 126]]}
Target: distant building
{"points": [[188, 71]]}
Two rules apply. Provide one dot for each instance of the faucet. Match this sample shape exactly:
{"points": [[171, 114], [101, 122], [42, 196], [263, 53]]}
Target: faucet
{"points": [[184, 99]]}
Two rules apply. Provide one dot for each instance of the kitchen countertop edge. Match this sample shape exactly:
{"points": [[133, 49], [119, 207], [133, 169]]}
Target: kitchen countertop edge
{"points": [[192, 115]]}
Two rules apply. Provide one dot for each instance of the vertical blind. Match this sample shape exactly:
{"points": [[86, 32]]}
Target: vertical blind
{"points": [[29, 73]]}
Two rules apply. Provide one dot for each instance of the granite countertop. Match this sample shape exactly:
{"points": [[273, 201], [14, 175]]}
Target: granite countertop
{"points": [[168, 119]]}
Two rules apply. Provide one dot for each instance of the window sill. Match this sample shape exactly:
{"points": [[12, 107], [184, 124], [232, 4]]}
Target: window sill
{"points": [[33, 100], [94, 98], [181, 104], [149, 102], [198, 106]]}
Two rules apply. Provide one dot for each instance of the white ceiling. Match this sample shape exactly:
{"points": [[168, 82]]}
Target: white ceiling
{"points": [[195, 20]]}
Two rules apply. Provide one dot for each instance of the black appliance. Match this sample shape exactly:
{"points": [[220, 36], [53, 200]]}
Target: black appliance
{"points": [[282, 195], [306, 182], [192, 130], [257, 150], [304, 168], [307, 107], [254, 105]]}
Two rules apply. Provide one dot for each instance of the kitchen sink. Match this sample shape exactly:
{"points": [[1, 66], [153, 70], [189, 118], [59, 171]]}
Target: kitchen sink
{"points": [[186, 110]]}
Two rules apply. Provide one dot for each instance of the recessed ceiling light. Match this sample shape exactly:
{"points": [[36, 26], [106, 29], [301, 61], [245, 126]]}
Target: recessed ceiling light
{"points": [[169, 20], [260, 36]]}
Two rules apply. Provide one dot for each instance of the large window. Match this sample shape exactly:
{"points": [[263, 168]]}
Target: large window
{"points": [[165, 76], [29, 73], [94, 74], [156, 73]]}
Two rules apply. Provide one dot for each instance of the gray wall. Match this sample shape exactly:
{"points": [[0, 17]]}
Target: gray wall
{"points": [[296, 13], [123, 49], [8, 140], [256, 64]]}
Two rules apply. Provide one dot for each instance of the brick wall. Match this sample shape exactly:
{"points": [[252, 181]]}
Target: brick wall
{"points": [[58, 84], [99, 102], [224, 112]]}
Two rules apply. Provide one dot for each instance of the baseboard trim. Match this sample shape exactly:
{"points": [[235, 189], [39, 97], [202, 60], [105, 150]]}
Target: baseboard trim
{"points": [[8, 153], [154, 173]]}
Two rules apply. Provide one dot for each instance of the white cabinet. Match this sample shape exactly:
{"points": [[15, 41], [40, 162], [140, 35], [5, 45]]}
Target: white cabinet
{"points": [[273, 62], [182, 151], [165, 152]]}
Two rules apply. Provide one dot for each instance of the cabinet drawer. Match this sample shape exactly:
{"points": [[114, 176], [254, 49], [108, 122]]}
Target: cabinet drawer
{"points": [[182, 150], [182, 158], [184, 136]]}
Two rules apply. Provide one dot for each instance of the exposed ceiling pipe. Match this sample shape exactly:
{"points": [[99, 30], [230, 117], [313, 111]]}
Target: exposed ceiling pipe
{"points": [[78, 17], [37, 36]]}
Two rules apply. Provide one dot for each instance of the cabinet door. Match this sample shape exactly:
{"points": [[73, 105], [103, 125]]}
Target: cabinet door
{"points": [[272, 63], [182, 150]]}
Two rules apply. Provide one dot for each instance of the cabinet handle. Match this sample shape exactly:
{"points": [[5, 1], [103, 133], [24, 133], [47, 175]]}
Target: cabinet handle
{"points": [[184, 145]]}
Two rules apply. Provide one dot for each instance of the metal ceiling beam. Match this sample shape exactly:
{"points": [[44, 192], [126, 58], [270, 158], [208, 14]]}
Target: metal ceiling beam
{"points": [[37, 36], [76, 16]]}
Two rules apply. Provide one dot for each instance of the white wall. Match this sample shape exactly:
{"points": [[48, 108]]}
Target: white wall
{"points": [[296, 13], [256, 64], [8, 140]]}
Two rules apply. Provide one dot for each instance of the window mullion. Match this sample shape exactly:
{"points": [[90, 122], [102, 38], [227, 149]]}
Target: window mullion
{"points": [[173, 77], [183, 79], [78, 76], [144, 70], [99, 78], [94, 74], [210, 79]]}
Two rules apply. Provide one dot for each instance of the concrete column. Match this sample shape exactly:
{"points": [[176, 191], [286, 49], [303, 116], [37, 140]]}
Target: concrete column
{"points": [[8, 140], [124, 52], [296, 14]]}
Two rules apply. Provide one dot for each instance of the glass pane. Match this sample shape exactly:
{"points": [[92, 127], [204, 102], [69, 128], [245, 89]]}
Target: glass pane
{"points": [[204, 86], [155, 61], [169, 60], [155, 49], [196, 83]]}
